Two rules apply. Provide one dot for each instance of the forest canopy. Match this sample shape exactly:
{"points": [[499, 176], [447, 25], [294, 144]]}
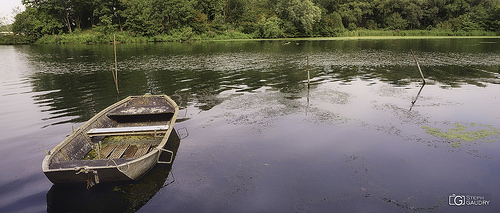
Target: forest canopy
{"points": [[257, 18]]}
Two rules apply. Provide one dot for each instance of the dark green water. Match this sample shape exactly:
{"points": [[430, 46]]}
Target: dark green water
{"points": [[255, 138]]}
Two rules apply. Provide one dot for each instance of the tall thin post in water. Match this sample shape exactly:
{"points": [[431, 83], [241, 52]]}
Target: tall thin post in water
{"points": [[115, 72], [421, 74], [423, 79], [308, 75]]}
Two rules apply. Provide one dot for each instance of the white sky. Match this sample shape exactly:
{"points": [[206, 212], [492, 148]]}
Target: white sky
{"points": [[6, 7]]}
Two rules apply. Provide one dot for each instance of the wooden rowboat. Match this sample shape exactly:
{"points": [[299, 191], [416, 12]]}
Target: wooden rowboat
{"points": [[114, 197], [120, 143]]}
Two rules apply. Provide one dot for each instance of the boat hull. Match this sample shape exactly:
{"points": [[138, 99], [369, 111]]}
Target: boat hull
{"points": [[128, 171], [64, 164]]}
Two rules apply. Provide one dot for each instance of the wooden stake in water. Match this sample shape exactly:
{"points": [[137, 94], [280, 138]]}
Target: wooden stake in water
{"points": [[421, 74], [308, 75], [115, 72]]}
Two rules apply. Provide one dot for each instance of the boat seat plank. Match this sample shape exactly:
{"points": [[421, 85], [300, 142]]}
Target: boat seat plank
{"points": [[119, 151], [127, 130], [130, 152], [143, 149], [107, 150]]}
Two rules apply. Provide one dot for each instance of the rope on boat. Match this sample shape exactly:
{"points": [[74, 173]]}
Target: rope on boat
{"points": [[128, 165], [92, 180]]}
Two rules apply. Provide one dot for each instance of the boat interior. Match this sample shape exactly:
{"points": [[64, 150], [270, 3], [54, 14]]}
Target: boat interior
{"points": [[125, 133]]}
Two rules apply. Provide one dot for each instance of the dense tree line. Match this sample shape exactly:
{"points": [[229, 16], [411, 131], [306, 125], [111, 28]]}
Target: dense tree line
{"points": [[258, 18]]}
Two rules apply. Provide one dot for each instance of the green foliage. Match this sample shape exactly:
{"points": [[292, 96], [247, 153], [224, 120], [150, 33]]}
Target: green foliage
{"points": [[413, 14], [227, 35], [330, 25], [34, 23], [174, 14], [4, 26], [354, 13], [61, 10], [106, 25], [140, 17], [182, 34], [395, 21], [435, 32], [271, 28], [92, 37], [14, 39], [182, 20], [336, 21], [301, 13], [493, 20]]}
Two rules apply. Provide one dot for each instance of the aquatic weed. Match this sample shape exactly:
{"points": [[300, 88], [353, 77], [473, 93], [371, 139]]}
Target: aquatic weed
{"points": [[462, 132]]}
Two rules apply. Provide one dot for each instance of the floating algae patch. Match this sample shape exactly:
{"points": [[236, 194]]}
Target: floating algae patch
{"points": [[466, 133]]}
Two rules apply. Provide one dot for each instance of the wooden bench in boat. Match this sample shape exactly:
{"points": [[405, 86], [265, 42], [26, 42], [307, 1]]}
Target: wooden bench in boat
{"points": [[115, 151], [142, 150], [119, 150], [120, 154], [106, 151], [132, 130], [132, 149]]}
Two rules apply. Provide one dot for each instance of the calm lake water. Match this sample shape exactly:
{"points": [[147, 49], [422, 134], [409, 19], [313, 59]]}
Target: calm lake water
{"points": [[366, 136]]}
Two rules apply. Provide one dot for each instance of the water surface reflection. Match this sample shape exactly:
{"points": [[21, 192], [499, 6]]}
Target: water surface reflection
{"points": [[79, 75], [259, 138]]}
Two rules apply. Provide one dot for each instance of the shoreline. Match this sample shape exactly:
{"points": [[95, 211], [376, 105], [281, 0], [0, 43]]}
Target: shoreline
{"points": [[121, 37], [354, 38]]}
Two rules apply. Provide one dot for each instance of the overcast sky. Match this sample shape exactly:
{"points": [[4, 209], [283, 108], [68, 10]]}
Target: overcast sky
{"points": [[6, 7]]}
